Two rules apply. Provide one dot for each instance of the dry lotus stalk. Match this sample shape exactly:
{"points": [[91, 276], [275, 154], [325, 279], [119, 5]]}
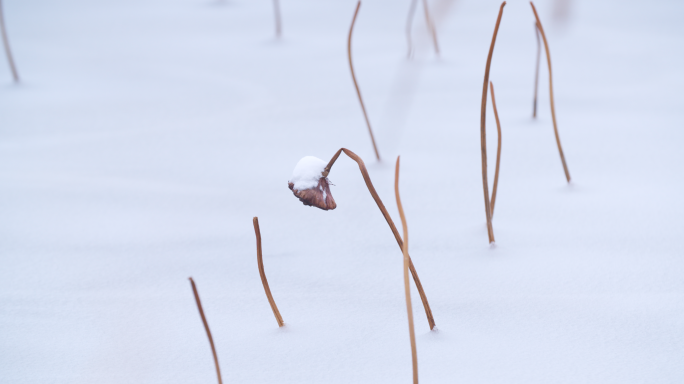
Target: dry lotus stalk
{"points": [[206, 328], [356, 85], [276, 11], [262, 274], [431, 26], [407, 287], [5, 42], [536, 72], [385, 214], [553, 108], [483, 134], [498, 148], [428, 21]]}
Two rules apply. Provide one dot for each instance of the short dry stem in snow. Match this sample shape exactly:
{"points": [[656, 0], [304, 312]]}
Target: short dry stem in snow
{"points": [[385, 214], [5, 42], [262, 273], [553, 108], [206, 327], [431, 26], [276, 11], [356, 85], [498, 148], [483, 133], [407, 287]]}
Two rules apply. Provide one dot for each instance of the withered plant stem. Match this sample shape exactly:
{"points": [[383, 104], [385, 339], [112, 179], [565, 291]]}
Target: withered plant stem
{"points": [[536, 72], [260, 261], [5, 41], [276, 10], [356, 85], [407, 286], [381, 206], [483, 132], [431, 26], [498, 148], [409, 24], [206, 327], [553, 107]]}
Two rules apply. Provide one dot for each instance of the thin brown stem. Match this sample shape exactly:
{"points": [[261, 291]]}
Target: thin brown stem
{"points": [[381, 206], [498, 148], [407, 287], [358, 91], [536, 72], [262, 273], [276, 11], [431, 26], [553, 108], [483, 133], [206, 327], [409, 24], [5, 42]]}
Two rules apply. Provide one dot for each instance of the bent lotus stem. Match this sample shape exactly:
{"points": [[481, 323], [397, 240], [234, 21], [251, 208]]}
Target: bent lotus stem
{"points": [[407, 287], [498, 148], [553, 108], [206, 328], [262, 274], [381, 206], [536, 71], [431, 26], [356, 85], [483, 133], [5, 41], [276, 11]]}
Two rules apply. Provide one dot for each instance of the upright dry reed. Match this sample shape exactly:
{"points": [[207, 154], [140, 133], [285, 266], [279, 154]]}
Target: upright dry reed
{"points": [[5, 41], [356, 85], [431, 26], [483, 133], [536, 71], [553, 108], [428, 21], [498, 148], [276, 11], [262, 273], [407, 287], [385, 214], [206, 327]]}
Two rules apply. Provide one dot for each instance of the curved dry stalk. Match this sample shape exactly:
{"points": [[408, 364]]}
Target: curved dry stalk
{"points": [[356, 85], [498, 148], [536, 72], [407, 287], [431, 26], [276, 11], [483, 134], [262, 273], [409, 24], [206, 327], [381, 206], [553, 108], [5, 42]]}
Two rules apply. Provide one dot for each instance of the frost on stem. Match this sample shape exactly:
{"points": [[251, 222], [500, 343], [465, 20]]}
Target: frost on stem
{"points": [[309, 184]]}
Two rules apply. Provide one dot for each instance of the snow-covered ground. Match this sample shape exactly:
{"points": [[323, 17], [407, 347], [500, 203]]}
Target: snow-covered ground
{"points": [[146, 134]]}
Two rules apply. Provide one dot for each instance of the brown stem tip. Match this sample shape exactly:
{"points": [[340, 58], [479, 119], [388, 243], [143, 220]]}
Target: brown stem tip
{"points": [[262, 274], [206, 328]]}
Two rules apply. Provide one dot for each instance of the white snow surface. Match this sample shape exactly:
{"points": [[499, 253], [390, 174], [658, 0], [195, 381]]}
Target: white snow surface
{"points": [[307, 172], [146, 134]]}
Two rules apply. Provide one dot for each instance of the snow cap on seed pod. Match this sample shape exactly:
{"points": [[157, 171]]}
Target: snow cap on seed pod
{"points": [[309, 184]]}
